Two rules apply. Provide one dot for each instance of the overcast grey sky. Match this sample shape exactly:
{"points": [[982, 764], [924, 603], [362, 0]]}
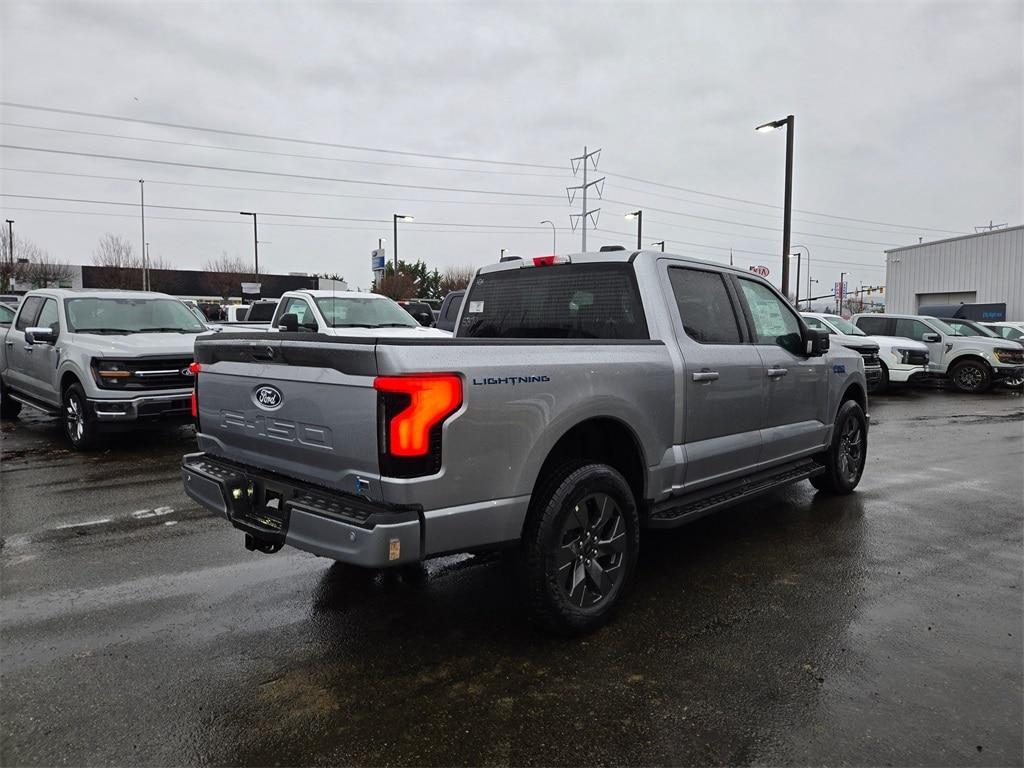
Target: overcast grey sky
{"points": [[907, 113]]}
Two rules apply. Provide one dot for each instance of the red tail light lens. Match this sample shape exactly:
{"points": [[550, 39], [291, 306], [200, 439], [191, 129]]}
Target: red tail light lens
{"points": [[430, 400], [195, 405], [194, 369]]}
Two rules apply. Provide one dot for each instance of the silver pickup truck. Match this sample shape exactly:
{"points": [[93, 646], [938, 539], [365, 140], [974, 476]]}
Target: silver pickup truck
{"points": [[581, 399], [101, 360]]}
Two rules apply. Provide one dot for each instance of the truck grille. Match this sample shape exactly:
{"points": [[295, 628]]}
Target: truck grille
{"points": [[146, 373], [870, 359]]}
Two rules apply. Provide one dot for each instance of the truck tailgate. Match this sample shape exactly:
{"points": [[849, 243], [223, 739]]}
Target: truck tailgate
{"points": [[291, 405]]}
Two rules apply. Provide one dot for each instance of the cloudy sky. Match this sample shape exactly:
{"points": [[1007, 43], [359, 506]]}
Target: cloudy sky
{"points": [[909, 124]]}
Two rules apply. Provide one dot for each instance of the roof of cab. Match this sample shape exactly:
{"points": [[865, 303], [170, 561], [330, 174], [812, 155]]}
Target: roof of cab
{"points": [[617, 257], [98, 293]]}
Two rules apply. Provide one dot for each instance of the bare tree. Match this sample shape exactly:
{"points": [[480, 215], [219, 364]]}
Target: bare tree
{"points": [[225, 274], [396, 286], [455, 279], [115, 251], [45, 272], [26, 254]]}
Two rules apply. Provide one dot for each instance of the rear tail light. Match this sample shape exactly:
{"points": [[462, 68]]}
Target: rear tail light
{"points": [[412, 410]]}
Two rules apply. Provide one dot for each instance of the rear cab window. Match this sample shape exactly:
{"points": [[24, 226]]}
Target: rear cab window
{"points": [[561, 301]]}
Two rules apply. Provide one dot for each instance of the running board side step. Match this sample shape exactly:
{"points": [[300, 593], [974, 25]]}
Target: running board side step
{"points": [[49, 410], [679, 510]]}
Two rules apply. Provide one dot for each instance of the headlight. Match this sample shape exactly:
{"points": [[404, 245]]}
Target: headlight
{"points": [[110, 373], [1009, 355], [904, 355]]}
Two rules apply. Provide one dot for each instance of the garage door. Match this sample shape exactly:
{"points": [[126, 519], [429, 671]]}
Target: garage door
{"points": [[931, 299]]}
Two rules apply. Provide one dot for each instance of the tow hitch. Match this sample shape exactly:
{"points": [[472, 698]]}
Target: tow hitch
{"points": [[265, 546]]}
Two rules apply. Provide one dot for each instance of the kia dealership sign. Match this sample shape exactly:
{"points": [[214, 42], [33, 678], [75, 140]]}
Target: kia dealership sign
{"points": [[760, 269]]}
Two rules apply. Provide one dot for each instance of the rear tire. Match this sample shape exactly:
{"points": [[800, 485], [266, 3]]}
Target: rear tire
{"points": [[844, 460], [9, 407], [79, 424], [971, 376], [580, 547]]}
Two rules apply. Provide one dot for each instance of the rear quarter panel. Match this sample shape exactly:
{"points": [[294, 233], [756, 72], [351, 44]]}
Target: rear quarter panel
{"points": [[494, 446]]}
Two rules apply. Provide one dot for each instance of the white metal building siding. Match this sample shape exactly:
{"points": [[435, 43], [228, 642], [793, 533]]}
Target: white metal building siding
{"points": [[988, 264]]}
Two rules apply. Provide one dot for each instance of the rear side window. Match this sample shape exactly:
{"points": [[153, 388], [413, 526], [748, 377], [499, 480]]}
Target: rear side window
{"points": [[873, 325], [452, 310], [28, 313], [705, 308], [564, 301]]}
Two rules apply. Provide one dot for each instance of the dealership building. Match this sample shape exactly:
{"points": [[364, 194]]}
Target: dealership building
{"points": [[985, 268]]}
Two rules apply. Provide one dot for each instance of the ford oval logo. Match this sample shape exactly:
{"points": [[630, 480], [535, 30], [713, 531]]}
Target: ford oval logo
{"points": [[267, 397]]}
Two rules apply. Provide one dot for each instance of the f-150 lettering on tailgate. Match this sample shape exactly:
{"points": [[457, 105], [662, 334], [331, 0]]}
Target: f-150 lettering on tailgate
{"points": [[278, 429]]}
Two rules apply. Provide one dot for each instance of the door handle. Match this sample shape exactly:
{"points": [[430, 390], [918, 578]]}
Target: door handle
{"points": [[27, 347], [10, 343], [776, 373], [705, 376]]}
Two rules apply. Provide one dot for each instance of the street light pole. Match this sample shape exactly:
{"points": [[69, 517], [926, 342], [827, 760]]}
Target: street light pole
{"points": [[796, 292], [808, 250], [554, 235], [790, 123], [142, 204], [255, 241], [639, 216], [10, 254], [394, 234], [661, 243]]}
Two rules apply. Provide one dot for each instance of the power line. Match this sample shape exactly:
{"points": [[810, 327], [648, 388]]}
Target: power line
{"points": [[309, 142], [501, 203], [201, 166], [264, 213], [221, 147], [245, 223], [770, 205]]}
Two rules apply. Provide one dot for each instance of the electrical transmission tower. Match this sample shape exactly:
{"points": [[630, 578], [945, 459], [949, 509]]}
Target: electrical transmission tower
{"points": [[594, 213]]}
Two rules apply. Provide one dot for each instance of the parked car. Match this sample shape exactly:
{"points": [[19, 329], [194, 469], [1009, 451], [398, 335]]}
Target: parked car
{"points": [[900, 360], [347, 313], [971, 363], [235, 313], [419, 310], [1008, 330], [858, 342], [579, 398], [99, 359], [972, 328], [449, 312], [6, 314]]}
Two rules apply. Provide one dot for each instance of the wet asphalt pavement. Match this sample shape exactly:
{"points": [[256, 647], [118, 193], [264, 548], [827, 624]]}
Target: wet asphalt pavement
{"points": [[880, 628]]}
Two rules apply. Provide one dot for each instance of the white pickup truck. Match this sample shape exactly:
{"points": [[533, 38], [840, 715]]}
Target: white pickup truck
{"points": [[347, 313]]}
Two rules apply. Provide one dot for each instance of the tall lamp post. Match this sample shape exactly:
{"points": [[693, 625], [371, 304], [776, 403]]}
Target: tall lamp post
{"points": [[639, 216], [808, 251], [10, 254], [787, 215], [255, 241], [142, 205], [554, 235], [661, 243], [394, 226]]}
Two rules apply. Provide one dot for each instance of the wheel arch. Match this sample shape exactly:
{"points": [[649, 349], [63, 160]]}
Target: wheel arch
{"points": [[970, 357], [856, 393], [604, 440]]}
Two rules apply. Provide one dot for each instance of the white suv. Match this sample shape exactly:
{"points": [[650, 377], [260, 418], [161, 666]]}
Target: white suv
{"points": [[902, 360], [972, 363]]}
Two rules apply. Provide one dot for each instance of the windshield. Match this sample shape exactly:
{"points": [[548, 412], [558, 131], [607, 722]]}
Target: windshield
{"points": [[944, 327], [844, 326], [973, 329], [364, 313], [123, 315]]}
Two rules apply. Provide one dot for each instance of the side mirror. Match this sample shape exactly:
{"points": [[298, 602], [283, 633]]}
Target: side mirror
{"points": [[817, 343], [40, 335], [931, 338], [288, 323]]}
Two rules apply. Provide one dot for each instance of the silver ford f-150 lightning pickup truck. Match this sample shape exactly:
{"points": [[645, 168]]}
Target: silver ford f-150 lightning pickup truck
{"points": [[582, 399]]}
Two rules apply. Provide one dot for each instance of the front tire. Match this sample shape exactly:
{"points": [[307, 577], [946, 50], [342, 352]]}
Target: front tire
{"points": [[844, 460], [971, 377], [581, 544], [79, 423]]}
